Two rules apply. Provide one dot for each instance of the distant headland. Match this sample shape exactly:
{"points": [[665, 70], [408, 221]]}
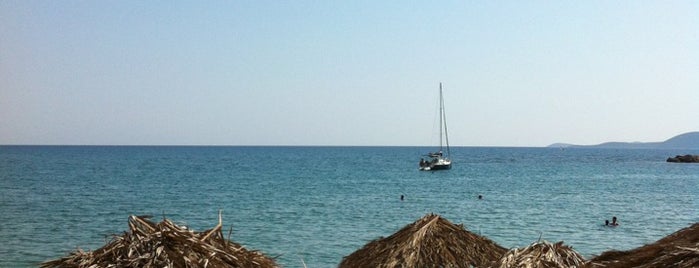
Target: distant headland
{"points": [[688, 140]]}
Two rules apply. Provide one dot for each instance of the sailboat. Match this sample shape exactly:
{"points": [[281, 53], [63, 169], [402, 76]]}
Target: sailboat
{"points": [[439, 160]]}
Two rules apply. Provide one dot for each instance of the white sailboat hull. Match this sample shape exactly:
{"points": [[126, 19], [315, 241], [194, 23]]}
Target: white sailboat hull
{"points": [[439, 164]]}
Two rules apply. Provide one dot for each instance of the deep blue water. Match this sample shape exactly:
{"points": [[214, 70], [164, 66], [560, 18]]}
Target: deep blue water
{"points": [[314, 205]]}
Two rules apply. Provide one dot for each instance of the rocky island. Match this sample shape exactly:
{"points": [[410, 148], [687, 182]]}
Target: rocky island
{"points": [[689, 140]]}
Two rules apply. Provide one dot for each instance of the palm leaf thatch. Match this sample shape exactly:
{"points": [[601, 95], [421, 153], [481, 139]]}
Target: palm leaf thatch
{"points": [[542, 255], [165, 244], [431, 241], [679, 249]]}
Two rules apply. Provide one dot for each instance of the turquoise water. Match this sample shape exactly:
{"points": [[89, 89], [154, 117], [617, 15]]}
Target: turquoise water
{"points": [[314, 205]]}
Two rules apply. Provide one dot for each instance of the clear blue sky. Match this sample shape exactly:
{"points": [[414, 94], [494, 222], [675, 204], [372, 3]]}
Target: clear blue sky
{"points": [[515, 73]]}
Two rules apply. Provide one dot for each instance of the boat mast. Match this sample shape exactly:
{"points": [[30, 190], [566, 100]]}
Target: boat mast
{"points": [[441, 114], [442, 120]]}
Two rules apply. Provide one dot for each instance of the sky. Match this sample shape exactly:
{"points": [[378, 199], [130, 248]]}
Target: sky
{"points": [[365, 73]]}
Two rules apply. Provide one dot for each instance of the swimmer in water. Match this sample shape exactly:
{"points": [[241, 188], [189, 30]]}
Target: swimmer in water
{"points": [[614, 223]]}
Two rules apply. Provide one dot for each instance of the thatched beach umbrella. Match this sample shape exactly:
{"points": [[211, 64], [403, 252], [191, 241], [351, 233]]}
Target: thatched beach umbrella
{"points": [[431, 241], [542, 255], [680, 250], [165, 244]]}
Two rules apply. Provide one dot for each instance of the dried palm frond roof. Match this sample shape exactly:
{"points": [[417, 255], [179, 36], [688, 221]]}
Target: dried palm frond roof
{"points": [[542, 254], [679, 249], [165, 244], [431, 241]]}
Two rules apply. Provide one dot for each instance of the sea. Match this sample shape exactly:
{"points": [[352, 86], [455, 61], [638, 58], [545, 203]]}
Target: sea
{"points": [[311, 206]]}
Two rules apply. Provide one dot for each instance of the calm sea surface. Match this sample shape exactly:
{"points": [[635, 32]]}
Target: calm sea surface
{"points": [[314, 205]]}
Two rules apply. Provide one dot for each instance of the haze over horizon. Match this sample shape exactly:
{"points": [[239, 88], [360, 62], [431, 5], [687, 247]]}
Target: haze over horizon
{"points": [[347, 73]]}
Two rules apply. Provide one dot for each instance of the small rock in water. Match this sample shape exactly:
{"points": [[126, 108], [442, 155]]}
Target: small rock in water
{"points": [[684, 159]]}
